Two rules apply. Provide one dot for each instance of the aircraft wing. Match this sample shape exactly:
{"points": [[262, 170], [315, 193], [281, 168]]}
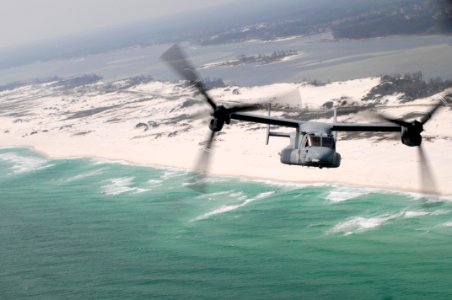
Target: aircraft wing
{"points": [[296, 124], [266, 120], [365, 127]]}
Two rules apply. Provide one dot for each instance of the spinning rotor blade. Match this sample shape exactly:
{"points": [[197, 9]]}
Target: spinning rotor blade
{"points": [[415, 128], [177, 60], [393, 120], [202, 163], [197, 182], [244, 107], [428, 184], [179, 63], [427, 116]]}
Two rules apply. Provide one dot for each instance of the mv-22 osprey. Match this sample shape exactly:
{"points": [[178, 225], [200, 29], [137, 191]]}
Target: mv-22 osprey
{"points": [[312, 144]]}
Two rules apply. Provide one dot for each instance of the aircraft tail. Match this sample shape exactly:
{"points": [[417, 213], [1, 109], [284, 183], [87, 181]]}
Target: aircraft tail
{"points": [[335, 121], [273, 133]]}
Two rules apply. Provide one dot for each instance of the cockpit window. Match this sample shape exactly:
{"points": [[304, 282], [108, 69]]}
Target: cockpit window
{"points": [[314, 141], [328, 142], [317, 141]]}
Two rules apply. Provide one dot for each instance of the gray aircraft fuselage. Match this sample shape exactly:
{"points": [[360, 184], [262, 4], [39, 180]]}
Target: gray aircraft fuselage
{"points": [[310, 154], [312, 145]]}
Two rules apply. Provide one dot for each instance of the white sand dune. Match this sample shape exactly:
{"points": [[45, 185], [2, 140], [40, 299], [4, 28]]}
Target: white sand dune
{"points": [[93, 122]]}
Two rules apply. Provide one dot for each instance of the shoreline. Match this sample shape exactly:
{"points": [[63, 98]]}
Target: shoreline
{"points": [[157, 124], [260, 179]]}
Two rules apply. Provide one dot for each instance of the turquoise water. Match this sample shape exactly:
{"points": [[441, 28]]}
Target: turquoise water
{"points": [[78, 229]]}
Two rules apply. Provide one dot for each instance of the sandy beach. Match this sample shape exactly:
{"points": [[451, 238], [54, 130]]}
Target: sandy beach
{"points": [[100, 123]]}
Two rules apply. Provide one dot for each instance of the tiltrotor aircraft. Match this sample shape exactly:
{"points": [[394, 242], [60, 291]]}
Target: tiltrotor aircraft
{"points": [[312, 144]]}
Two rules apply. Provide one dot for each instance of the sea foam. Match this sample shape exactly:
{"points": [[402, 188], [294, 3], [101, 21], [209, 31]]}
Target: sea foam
{"points": [[155, 182], [119, 186], [85, 175], [342, 194], [102, 161], [447, 224], [215, 195], [361, 224], [227, 208], [24, 164], [414, 214]]}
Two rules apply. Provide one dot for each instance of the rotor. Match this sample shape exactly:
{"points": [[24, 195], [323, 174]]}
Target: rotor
{"points": [[411, 136], [220, 114]]}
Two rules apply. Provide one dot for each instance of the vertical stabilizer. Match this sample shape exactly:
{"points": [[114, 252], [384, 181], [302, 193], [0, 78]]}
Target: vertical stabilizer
{"points": [[335, 121], [268, 126]]}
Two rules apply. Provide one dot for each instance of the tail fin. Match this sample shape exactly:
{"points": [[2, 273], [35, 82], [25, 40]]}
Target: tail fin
{"points": [[335, 121], [273, 133]]}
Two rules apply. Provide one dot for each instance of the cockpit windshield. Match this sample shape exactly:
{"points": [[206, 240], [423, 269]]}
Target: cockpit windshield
{"points": [[328, 142], [314, 141], [321, 141]]}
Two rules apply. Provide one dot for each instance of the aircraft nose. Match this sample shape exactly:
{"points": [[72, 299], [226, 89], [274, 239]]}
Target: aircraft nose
{"points": [[322, 155]]}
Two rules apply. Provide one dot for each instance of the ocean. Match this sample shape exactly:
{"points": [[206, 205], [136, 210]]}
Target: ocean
{"points": [[94, 229]]}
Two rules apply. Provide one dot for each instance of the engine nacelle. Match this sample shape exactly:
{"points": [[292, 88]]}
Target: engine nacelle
{"points": [[220, 116], [411, 136], [216, 124]]}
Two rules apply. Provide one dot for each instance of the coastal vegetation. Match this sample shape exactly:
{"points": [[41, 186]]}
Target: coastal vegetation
{"points": [[259, 59], [411, 86]]}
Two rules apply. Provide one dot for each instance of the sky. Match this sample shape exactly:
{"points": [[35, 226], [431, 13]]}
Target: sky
{"points": [[24, 21]]}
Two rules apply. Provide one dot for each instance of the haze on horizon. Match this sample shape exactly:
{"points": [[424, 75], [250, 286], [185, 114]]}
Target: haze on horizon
{"points": [[25, 21]]}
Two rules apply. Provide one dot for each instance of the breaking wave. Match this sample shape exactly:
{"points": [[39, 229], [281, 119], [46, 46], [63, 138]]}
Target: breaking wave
{"points": [[24, 164], [447, 224], [168, 174], [342, 194], [102, 161], [155, 182], [361, 224], [227, 208], [85, 175], [122, 185]]}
